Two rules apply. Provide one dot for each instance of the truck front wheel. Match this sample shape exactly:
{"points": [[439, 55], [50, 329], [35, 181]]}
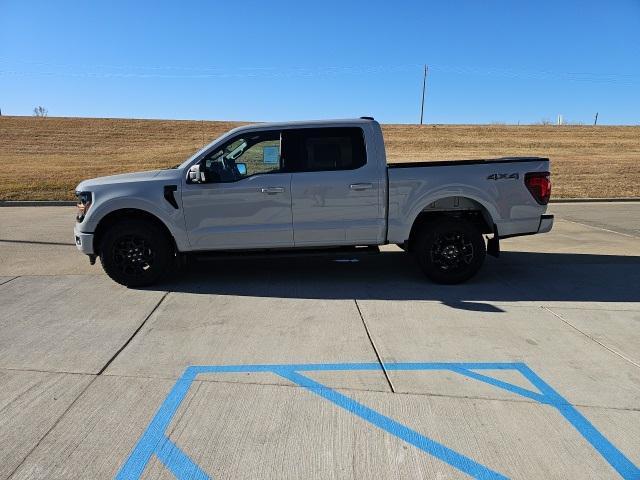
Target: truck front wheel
{"points": [[450, 251], [135, 253]]}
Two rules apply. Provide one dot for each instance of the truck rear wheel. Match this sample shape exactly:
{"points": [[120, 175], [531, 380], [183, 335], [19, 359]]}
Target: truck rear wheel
{"points": [[135, 253], [450, 251]]}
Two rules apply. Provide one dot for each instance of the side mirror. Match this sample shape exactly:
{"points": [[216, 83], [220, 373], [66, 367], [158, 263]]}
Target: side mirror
{"points": [[195, 175], [242, 168]]}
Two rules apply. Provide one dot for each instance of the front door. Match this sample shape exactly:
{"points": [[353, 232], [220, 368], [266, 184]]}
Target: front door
{"points": [[244, 198]]}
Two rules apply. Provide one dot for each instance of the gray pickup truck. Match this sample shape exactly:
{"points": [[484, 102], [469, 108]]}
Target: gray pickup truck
{"points": [[310, 185]]}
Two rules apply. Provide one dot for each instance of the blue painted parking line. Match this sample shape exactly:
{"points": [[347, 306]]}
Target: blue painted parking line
{"points": [[154, 440]]}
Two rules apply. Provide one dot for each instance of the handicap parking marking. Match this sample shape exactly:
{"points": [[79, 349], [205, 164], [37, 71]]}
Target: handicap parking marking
{"points": [[154, 440]]}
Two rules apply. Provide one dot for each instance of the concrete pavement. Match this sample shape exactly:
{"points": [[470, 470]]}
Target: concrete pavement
{"points": [[87, 368], [621, 217]]}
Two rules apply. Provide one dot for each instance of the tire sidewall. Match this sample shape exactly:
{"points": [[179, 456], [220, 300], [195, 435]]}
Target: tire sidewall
{"points": [[428, 235]]}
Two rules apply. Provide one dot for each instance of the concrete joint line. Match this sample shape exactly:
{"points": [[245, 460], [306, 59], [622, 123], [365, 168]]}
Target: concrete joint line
{"points": [[115, 355], [354, 389], [590, 337], [599, 228], [55, 424], [373, 345], [85, 388], [10, 280], [39, 370]]}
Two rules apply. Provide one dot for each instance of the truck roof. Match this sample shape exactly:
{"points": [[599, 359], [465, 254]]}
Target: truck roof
{"points": [[340, 122]]}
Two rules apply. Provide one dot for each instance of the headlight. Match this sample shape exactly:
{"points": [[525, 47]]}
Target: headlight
{"points": [[84, 203]]}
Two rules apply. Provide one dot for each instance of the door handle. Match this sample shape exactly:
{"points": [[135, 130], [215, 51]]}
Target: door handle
{"points": [[361, 186], [272, 190]]}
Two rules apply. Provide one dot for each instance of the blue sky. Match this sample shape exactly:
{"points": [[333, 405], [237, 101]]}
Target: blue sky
{"points": [[489, 61]]}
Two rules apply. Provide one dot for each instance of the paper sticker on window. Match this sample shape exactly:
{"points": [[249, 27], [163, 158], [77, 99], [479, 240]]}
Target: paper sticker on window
{"points": [[271, 155]]}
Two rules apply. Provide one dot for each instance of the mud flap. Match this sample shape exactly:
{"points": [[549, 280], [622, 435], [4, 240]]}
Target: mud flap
{"points": [[493, 244]]}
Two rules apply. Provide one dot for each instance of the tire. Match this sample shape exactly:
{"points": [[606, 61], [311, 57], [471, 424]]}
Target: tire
{"points": [[450, 251], [135, 253]]}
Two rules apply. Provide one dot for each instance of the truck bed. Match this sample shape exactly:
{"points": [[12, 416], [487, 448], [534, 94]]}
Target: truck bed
{"points": [[494, 187], [441, 163]]}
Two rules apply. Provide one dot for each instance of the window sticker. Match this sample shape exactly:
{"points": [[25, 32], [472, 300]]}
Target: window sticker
{"points": [[271, 155]]}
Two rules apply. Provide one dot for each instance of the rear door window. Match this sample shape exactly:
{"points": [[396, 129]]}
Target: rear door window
{"points": [[323, 149]]}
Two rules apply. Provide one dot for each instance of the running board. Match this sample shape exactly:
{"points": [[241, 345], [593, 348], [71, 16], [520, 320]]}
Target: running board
{"points": [[287, 252]]}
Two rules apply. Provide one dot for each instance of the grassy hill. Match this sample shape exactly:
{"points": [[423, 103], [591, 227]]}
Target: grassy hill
{"points": [[45, 158]]}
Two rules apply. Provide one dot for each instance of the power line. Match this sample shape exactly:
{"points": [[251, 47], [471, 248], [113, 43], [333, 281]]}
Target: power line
{"points": [[203, 71]]}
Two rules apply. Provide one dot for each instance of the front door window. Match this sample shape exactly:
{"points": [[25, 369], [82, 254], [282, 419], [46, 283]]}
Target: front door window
{"points": [[242, 157]]}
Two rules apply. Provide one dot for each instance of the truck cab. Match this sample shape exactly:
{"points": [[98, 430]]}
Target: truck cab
{"points": [[270, 186]]}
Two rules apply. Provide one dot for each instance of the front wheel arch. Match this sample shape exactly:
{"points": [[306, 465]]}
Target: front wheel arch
{"points": [[133, 214]]}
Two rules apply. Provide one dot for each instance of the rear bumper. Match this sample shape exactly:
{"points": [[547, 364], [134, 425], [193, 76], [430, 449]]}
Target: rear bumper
{"points": [[84, 241], [546, 223]]}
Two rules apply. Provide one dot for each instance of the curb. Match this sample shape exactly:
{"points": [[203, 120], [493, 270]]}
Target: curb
{"points": [[594, 200], [37, 203]]}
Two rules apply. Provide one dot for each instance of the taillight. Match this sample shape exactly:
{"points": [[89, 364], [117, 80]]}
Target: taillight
{"points": [[539, 185]]}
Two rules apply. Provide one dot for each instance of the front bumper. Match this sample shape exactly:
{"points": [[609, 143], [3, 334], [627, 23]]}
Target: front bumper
{"points": [[546, 222], [84, 241]]}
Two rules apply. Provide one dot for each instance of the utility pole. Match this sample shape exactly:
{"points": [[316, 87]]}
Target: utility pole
{"points": [[424, 86], [595, 120]]}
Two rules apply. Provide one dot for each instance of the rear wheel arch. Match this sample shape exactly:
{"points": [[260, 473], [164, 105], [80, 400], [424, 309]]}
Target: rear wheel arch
{"points": [[129, 214], [457, 207]]}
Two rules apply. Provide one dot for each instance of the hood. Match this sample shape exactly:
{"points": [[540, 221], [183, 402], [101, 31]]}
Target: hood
{"points": [[122, 178]]}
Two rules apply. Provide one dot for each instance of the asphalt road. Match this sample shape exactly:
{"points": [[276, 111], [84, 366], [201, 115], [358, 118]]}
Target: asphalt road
{"points": [[312, 368]]}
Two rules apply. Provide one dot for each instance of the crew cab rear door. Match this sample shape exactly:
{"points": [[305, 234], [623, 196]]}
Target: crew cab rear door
{"points": [[335, 192]]}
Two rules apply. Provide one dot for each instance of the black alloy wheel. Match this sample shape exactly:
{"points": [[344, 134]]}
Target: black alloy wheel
{"points": [[133, 255], [136, 253], [450, 250]]}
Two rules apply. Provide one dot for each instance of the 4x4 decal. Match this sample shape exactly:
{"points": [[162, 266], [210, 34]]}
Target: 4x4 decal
{"points": [[503, 176]]}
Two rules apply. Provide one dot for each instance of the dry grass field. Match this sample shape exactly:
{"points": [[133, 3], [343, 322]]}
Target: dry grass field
{"points": [[43, 159]]}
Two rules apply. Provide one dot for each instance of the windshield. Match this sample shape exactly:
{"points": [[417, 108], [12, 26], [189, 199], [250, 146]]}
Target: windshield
{"points": [[202, 150]]}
